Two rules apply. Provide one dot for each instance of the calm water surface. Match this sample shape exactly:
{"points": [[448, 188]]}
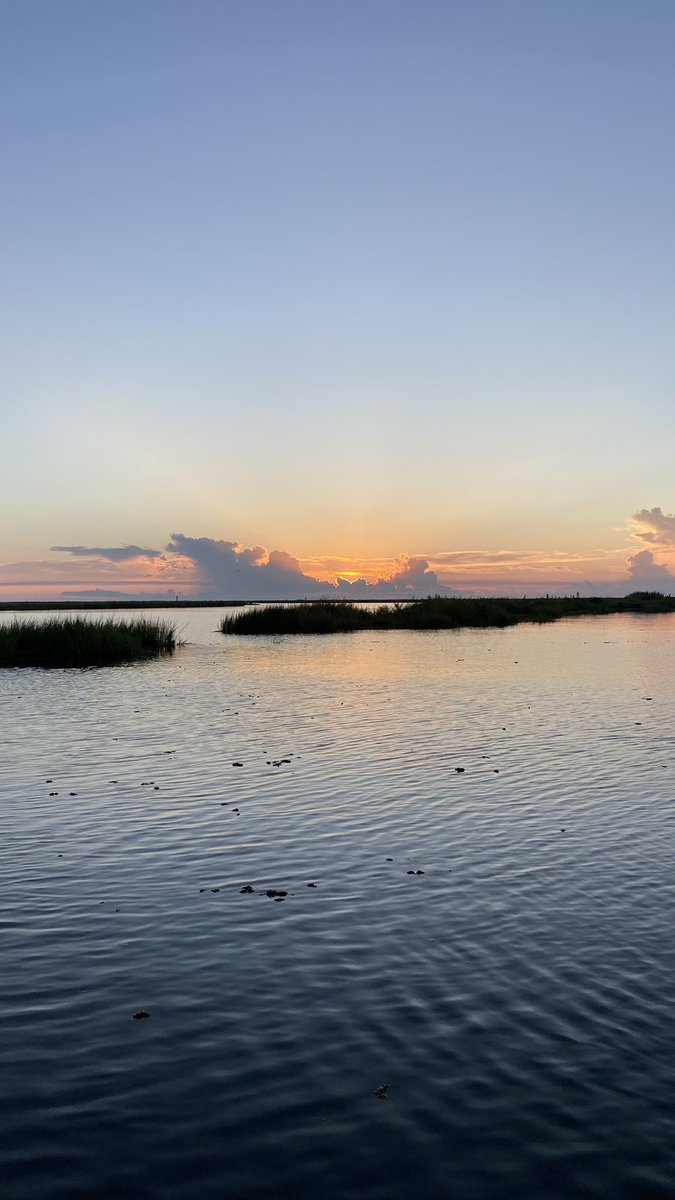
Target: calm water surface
{"points": [[517, 997]]}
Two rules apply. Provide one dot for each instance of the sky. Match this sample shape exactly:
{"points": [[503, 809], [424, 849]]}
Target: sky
{"points": [[301, 291]]}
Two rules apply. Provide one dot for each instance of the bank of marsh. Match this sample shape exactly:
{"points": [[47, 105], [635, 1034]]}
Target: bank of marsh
{"points": [[81, 642], [436, 612]]}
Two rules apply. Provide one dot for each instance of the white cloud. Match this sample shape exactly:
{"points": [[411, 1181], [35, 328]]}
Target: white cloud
{"points": [[642, 568], [655, 527]]}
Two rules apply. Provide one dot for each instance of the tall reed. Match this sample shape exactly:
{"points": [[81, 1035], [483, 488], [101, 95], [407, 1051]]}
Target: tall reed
{"points": [[436, 612], [82, 642]]}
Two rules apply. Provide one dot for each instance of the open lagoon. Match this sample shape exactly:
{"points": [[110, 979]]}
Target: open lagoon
{"points": [[467, 990]]}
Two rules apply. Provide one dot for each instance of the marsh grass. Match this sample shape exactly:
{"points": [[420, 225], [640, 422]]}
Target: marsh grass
{"points": [[81, 642], [437, 612]]}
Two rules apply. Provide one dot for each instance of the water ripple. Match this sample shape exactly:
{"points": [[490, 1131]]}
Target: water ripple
{"points": [[486, 818]]}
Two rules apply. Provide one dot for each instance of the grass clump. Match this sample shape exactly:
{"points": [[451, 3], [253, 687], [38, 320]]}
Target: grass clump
{"points": [[81, 642], [322, 616], [436, 612]]}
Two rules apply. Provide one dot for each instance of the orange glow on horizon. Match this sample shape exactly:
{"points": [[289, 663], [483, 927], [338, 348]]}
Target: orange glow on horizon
{"points": [[207, 566]]}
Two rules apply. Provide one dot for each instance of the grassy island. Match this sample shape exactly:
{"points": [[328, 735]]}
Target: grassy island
{"points": [[437, 612], [78, 642]]}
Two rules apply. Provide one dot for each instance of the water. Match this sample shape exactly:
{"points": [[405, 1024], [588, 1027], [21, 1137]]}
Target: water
{"points": [[517, 997]]}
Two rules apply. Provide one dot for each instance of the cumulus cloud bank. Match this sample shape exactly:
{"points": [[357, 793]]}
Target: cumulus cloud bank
{"points": [[642, 569], [412, 576], [213, 568], [236, 572], [654, 527]]}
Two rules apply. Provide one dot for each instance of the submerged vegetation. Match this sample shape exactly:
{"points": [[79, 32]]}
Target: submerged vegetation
{"points": [[437, 612], [79, 642]]}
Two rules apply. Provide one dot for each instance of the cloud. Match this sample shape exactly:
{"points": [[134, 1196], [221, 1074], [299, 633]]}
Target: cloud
{"points": [[412, 574], [111, 594], [411, 578], [654, 527], [642, 568], [234, 572], [214, 569], [110, 553]]}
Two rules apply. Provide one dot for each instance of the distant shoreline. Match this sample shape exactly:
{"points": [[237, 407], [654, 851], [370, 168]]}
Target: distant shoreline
{"points": [[634, 602], [104, 605]]}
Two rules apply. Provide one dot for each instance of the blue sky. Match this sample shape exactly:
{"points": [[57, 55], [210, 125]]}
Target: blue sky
{"points": [[348, 280]]}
